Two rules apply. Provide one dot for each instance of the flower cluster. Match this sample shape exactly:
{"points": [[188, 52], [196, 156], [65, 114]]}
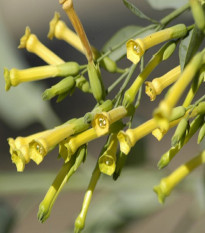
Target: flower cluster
{"points": [[113, 118]]}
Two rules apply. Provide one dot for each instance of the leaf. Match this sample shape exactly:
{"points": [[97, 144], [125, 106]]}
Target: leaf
{"points": [[137, 12], [124, 34], [189, 46], [164, 4]]}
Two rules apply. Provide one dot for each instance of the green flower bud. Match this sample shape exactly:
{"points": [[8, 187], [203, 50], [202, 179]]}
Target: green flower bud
{"points": [[180, 131], [96, 82], [108, 64], [83, 84], [64, 86], [177, 113]]}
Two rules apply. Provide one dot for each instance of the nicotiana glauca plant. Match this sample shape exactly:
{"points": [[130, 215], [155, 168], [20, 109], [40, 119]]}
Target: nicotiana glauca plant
{"points": [[113, 118]]}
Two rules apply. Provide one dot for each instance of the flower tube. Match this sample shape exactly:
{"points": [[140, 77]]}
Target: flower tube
{"points": [[14, 77], [39, 147], [33, 45], [67, 170], [164, 53], [131, 136], [168, 183], [80, 220], [154, 88], [163, 112], [136, 48], [69, 146], [102, 121], [59, 29]]}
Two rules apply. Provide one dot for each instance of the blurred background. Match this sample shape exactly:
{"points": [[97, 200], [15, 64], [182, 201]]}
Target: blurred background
{"points": [[128, 205]]}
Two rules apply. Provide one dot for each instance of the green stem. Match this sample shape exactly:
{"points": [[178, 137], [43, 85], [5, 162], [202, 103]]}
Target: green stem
{"points": [[111, 87], [174, 14], [119, 95]]}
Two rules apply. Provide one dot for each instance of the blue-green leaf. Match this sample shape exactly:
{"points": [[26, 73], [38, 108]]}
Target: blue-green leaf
{"points": [[121, 36], [189, 46], [137, 12], [164, 4]]}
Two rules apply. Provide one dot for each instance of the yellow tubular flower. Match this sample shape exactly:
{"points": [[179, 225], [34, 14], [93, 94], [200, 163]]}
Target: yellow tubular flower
{"points": [[15, 77], [136, 48], [104, 107], [168, 183], [67, 170], [198, 13], [80, 220], [154, 88], [177, 114], [50, 197], [103, 120], [194, 87], [68, 8], [107, 161], [131, 136], [19, 149], [163, 112], [40, 146], [164, 53], [71, 144], [33, 45], [59, 29]]}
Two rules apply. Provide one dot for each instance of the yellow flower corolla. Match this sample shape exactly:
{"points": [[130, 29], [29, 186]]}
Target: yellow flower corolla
{"points": [[14, 76], [40, 146], [33, 45], [80, 220], [163, 112], [19, 149], [176, 116], [69, 146], [102, 121], [67, 170], [107, 161], [59, 29], [168, 183], [131, 136], [67, 6], [50, 197], [136, 48], [157, 85], [162, 54]]}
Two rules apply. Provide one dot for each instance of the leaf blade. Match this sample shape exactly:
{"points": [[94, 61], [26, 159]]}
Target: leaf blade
{"points": [[138, 12], [189, 46]]}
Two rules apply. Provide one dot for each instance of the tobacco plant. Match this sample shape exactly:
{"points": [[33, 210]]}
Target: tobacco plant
{"points": [[112, 118]]}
